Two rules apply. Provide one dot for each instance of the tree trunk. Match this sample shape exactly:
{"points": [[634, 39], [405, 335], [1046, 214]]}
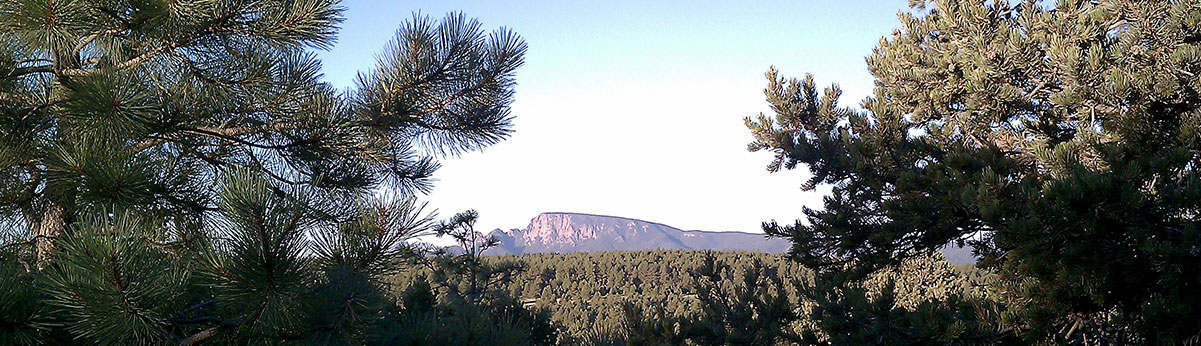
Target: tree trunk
{"points": [[45, 232]]}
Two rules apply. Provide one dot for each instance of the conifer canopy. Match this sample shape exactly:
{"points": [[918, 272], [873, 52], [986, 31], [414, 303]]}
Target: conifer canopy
{"points": [[178, 171], [1060, 140]]}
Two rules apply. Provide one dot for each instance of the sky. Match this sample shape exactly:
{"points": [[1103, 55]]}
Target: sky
{"points": [[635, 108]]}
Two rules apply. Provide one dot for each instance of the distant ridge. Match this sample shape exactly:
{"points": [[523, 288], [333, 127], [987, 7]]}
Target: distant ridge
{"points": [[648, 222], [582, 232], [562, 232]]}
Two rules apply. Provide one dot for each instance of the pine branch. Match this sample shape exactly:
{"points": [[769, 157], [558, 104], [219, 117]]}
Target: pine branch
{"points": [[454, 97], [263, 168], [21, 71], [213, 331], [91, 38], [216, 28], [230, 134], [197, 320], [199, 72], [29, 242], [81, 72], [9, 97]]}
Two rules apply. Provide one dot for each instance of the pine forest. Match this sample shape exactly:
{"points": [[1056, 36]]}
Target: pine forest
{"points": [[218, 172]]}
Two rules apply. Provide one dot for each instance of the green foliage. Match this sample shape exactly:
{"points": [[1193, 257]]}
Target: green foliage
{"points": [[471, 324], [24, 312], [1060, 142], [467, 304], [922, 301], [656, 327], [178, 173], [761, 299], [119, 287], [587, 293], [679, 297], [466, 277], [256, 261], [756, 311]]}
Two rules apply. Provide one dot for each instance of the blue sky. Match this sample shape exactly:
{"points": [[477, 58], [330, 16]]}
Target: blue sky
{"points": [[635, 108]]}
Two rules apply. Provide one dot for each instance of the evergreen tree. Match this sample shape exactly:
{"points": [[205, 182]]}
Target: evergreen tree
{"points": [[466, 276], [1062, 142], [474, 308], [921, 301], [757, 311], [178, 172]]}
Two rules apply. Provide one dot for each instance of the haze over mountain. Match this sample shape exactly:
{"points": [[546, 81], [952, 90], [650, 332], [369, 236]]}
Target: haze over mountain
{"points": [[575, 232]]}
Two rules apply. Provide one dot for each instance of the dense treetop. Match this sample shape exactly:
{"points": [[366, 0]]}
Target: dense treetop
{"points": [[179, 172], [146, 105], [1061, 141]]}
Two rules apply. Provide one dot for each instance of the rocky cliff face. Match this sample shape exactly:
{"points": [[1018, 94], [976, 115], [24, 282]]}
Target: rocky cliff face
{"points": [[571, 232]]}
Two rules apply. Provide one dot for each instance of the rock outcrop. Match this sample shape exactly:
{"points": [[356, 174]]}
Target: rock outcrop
{"points": [[574, 232]]}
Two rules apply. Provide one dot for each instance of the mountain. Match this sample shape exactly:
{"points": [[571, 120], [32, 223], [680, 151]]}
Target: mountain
{"points": [[574, 232]]}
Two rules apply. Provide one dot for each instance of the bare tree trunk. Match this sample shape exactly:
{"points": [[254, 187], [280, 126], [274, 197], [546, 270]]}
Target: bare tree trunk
{"points": [[45, 232]]}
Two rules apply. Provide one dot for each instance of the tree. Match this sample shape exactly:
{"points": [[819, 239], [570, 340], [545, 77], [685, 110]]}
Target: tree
{"points": [[178, 172], [474, 308], [1061, 142], [757, 311], [921, 301], [466, 276]]}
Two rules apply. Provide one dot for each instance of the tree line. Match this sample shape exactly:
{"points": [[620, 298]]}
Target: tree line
{"points": [[677, 297]]}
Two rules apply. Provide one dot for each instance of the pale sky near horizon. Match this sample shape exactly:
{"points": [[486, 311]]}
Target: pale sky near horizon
{"points": [[635, 108]]}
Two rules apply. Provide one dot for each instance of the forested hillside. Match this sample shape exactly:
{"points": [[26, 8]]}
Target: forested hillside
{"points": [[604, 297]]}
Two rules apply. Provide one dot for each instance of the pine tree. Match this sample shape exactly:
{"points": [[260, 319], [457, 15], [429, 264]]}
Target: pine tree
{"points": [[178, 172], [474, 307], [1061, 142], [756, 311], [922, 301]]}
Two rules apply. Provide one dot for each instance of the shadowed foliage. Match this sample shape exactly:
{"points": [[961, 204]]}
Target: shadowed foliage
{"points": [[178, 172], [1058, 140]]}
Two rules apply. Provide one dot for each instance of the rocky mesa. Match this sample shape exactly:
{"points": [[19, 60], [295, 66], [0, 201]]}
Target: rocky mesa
{"points": [[576, 232]]}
